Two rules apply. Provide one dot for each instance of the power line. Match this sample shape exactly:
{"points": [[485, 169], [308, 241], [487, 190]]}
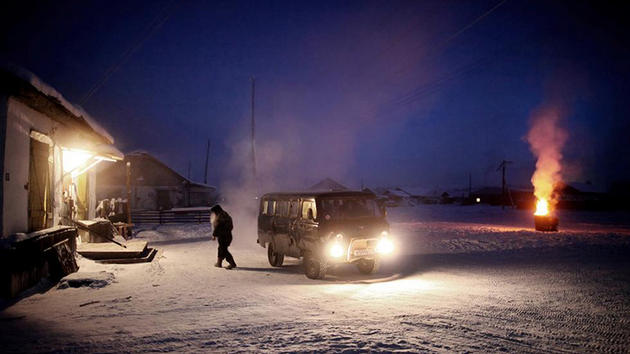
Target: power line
{"points": [[467, 27], [456, 34], [431, 87], [153, 26]]}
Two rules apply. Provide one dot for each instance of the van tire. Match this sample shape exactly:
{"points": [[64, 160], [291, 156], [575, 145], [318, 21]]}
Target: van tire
{"points": [[368, 266], [314, 267], [275, 258]]}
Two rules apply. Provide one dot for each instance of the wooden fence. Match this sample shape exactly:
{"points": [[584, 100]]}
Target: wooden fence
{"points": [[170, 217]]}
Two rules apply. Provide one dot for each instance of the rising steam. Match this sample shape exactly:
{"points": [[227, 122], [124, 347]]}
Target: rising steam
{"points": [[546, 138]]}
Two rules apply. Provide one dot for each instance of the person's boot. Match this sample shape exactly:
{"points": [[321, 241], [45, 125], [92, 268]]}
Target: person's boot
{"points": [[231, 265], [219, 263]]}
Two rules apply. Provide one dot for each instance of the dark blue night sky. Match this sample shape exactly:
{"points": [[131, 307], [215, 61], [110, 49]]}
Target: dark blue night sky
{"points": [[388, 92]]}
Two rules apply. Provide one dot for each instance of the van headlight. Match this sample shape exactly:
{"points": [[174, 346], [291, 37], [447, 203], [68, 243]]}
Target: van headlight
{"points": [[384, 245], [336, 250]]}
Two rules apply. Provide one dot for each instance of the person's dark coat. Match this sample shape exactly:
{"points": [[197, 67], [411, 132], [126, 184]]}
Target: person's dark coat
{"points": [[223, 224], [222, 230]]}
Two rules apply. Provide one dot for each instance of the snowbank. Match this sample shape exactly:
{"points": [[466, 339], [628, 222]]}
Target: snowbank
{"points": [[462, 283], [94, 280]]}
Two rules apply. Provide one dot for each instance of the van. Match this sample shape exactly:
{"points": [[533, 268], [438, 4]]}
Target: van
{"points": [[325, 229]]}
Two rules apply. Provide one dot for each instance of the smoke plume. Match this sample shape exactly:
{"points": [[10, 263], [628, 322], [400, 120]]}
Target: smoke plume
{"points": [[546, 138]]}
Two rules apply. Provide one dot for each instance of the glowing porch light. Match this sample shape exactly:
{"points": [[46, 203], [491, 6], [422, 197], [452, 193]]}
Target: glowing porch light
{"points": [[73, 159]]}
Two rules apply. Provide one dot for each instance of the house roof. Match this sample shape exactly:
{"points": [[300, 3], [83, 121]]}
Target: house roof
{"points": [[145, 154], [27, 87], [397, 192], [328, 184]]}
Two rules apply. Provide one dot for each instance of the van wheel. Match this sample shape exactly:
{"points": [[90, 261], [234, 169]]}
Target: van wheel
{"points": [[275, 258], [368, 266], [314, 267]]}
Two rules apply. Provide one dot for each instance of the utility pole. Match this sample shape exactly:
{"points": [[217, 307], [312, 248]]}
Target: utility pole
{"points": [[128, 185], [469, 184], [503, 167], [253, 79], [205, 174], [189, 170]]}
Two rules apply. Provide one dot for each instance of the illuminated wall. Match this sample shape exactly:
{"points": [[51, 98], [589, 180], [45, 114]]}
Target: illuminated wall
{"points": [[20, 120]]}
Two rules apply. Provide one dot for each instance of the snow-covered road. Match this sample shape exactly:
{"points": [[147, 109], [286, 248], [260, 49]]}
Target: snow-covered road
{"points": [[466, 279]]}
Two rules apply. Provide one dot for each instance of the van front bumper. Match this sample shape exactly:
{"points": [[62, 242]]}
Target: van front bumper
{"points": [[359, 248]]}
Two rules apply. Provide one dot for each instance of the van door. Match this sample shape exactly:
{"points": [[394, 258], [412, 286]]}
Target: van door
{"points": [[265, 220], [307, 224], [280, 227], [294, 234]]}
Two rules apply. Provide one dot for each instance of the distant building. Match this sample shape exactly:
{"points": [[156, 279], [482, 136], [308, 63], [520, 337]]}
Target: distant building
{"points": [[328, 184], [584, 196], [573, 195], [522, 198], [48, 148], [397, 197], [154, 185]]}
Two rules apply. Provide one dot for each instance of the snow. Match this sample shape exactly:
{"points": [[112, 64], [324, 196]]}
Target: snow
{"points": [[13, 239], [93, 280], [48, 90], [471, 278]]}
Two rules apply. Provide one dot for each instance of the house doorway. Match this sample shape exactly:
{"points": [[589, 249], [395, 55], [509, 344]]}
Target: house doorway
{"points": [[39, 186]]}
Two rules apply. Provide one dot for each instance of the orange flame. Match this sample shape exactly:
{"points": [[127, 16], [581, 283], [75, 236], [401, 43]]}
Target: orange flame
{"points": [[546, 139], [542, 207]]}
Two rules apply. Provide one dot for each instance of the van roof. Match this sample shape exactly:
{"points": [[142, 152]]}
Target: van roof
{"points": [[319, 194]]}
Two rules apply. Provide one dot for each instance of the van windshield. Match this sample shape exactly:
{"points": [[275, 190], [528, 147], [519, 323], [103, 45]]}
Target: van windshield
{"points": [[349, 208]]}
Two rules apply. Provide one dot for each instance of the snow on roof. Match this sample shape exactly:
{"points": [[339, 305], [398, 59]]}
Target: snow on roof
{"points": [[398, 192], [49, 91], [328, 184], [109, 151]]}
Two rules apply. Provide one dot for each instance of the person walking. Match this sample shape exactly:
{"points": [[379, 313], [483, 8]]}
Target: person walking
{"points": [[222, 231]]}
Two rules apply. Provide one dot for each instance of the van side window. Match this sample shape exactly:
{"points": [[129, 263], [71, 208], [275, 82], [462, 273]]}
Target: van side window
{"points": [[282, 208], [306, 205], [265, 207], [271, 207], [294, 208]]}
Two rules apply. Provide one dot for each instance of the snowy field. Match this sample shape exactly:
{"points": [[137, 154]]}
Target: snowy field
{"points": [[465, 279]]}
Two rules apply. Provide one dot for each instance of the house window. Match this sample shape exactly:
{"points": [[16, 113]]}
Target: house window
{"points": [[265, 207]]}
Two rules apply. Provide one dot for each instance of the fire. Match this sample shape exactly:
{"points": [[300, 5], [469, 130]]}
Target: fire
{"points": [[546, 138], [542, 207]]}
